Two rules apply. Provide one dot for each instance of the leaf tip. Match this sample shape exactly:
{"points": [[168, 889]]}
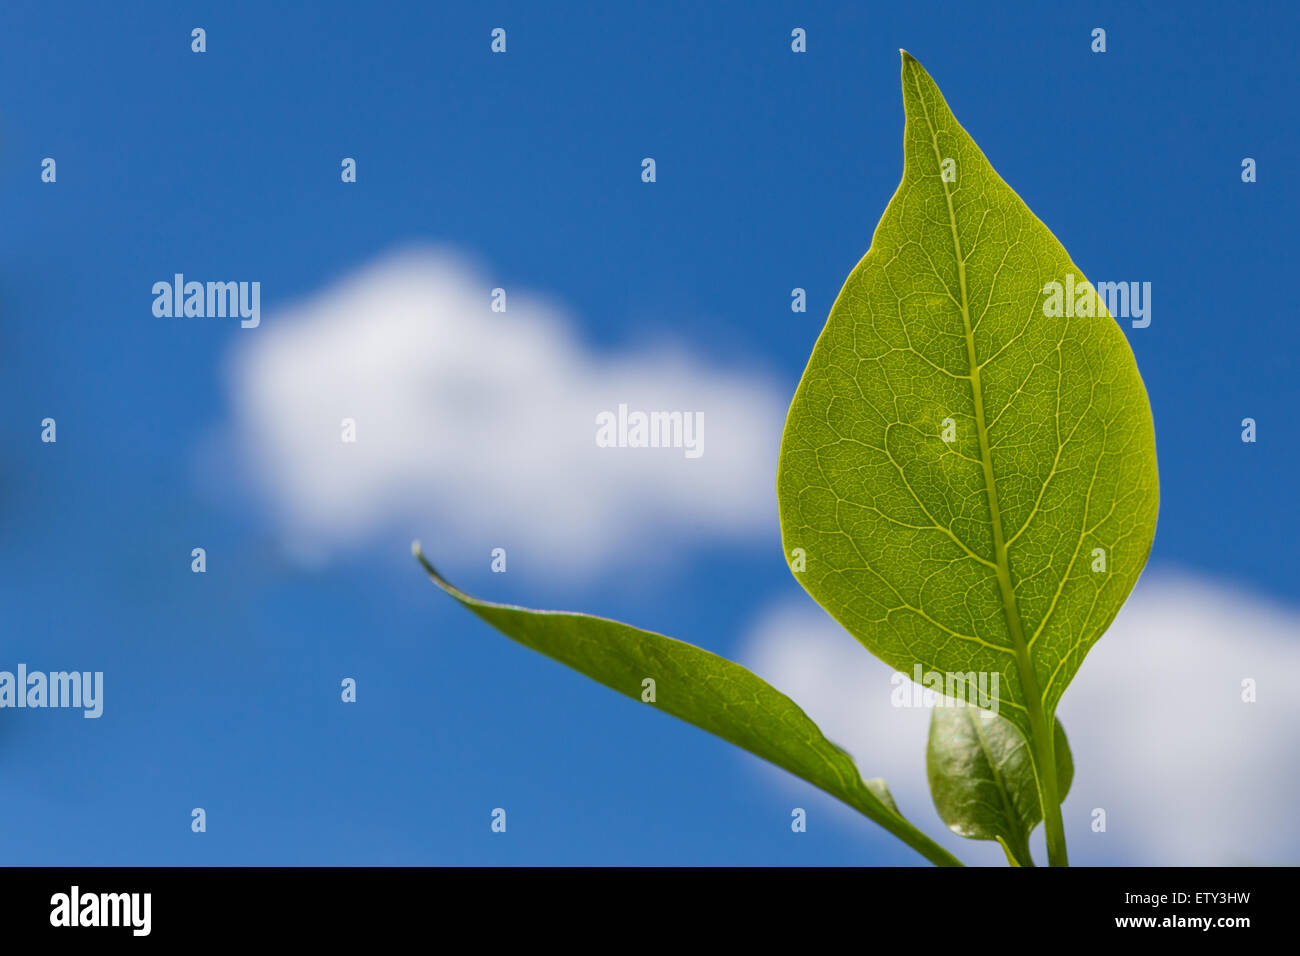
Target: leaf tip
{"points": [[433, 574], [418, 554]]}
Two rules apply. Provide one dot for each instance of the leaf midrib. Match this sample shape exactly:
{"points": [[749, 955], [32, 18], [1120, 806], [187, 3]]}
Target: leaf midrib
{"points": [[1011, 611], [1041, 750]]}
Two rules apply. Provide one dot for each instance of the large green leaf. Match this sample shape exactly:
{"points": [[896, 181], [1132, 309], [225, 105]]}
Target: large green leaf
{"points": [[974, 554], [703, 689], [982, 777]]}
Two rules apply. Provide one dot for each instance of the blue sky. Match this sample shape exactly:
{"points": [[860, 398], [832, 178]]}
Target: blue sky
{"points": [[772, 171]]}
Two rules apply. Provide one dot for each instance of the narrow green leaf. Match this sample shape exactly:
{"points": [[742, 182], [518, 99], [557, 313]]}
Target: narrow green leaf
{"points": [[703, 689], [967, 482], [982, 777]]}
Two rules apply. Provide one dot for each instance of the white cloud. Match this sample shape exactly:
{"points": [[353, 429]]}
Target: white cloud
{"points": [[476, 429], [1188, 774]]}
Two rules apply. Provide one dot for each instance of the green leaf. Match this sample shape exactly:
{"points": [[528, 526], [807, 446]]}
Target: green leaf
{"points": [[982, 777], [975, 554], [703, 689]]}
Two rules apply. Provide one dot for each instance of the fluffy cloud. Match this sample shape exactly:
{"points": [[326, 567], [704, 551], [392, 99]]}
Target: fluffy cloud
{"points": [[1187, 772], [476, 429]]}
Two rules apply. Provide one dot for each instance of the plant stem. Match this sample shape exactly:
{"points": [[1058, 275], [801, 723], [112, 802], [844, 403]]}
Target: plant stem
{"points": [[1042, 752], [1048, 798]]}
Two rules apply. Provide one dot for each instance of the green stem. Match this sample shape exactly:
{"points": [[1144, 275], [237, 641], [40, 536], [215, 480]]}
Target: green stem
{"points": [[1045, 771], [1042, 753]]}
